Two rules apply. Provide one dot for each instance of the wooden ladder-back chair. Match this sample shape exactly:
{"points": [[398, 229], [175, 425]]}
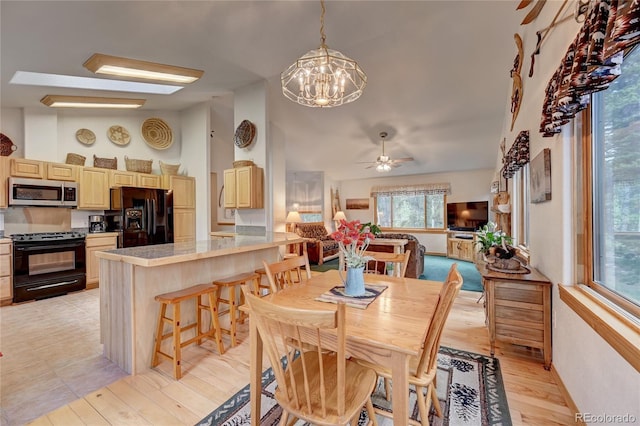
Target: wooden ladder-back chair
{"points": [[381, 259], [317, 386], [287, 272], [423, 369]]}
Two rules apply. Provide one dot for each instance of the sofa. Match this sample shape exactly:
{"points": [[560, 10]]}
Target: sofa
{"points": [[415, 268], [320, 246]]}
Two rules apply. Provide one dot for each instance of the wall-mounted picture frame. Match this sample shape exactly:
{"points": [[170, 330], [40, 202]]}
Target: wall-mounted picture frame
{"points": [[495, 186], [540, 177], [357, 204]]}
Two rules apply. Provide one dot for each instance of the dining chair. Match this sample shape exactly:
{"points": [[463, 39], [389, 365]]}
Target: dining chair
{"points": [[423, 368], [318, 386], [290, 271], [378, 264]]}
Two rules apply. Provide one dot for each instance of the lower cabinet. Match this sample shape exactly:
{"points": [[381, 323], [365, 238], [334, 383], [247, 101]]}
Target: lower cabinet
{"points": [[6, 284], [184, 225], [94, 243], [461, 248]]}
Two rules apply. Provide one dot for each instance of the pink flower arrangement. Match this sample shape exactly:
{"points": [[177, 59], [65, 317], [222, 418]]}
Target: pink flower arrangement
{"points": [[353, 240]]}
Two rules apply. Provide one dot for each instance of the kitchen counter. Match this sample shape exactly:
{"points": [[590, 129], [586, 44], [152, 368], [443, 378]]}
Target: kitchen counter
{"points": [[165, 254], [130, 278]]}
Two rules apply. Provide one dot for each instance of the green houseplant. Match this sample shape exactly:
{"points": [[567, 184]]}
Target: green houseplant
{"points": [[492, 241]]}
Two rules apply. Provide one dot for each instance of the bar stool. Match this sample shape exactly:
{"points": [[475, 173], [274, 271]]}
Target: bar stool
{"points": [[173, 299], [234, 299], [262, 286]]}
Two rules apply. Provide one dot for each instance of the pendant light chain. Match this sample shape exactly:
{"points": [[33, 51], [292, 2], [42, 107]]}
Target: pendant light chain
{"points": [[323, 37]]}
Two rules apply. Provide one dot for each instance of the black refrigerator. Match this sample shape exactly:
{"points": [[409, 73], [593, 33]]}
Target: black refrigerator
{"points": [[141, 216]]}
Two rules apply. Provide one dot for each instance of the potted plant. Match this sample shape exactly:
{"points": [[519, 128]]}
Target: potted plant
{"points": [[353, 239], [491, 241], [374, 229]]}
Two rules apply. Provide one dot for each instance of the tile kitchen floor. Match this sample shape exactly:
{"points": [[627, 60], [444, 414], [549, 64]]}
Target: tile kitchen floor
{"points": [[51, 355]]}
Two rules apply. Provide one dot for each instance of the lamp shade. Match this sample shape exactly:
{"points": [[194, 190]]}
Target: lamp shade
{"points": [[339, 216], [293, 217]]}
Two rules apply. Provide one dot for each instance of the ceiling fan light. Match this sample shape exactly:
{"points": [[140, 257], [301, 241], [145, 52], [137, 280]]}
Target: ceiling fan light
{"points": [[383, 167]]}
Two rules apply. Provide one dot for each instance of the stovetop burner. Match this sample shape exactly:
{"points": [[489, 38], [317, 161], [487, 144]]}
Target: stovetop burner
{"points": [[49, 236]]}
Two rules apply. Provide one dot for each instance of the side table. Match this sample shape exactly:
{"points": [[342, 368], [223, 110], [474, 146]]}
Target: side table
{"points": [[518, 309]]}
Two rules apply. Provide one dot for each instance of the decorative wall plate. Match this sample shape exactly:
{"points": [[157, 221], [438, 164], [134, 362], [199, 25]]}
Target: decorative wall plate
{"points": [[245, 133], [85, 136], [157, 133], [119, 135]]}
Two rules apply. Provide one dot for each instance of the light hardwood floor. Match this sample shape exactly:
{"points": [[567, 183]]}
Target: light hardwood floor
{"points": [[111, 397]]}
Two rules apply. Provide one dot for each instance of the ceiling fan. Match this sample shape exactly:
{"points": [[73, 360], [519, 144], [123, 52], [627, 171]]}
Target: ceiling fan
{"points": [[384, 163]]}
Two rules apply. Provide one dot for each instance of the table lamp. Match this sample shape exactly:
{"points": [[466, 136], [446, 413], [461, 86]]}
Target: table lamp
{"points": [[292, 218], [338, 217]]}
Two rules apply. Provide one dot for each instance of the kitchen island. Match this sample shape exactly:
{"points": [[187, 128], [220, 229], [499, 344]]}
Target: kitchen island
{"points": [[131, 277]]}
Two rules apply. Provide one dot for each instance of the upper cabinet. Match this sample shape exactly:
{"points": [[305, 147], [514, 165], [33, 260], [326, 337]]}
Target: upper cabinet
{"points": [[4, 177], [244, 188], [184, 190], [21, 167], [121, 178], [94, 189], [66, 172], [145, 180]]}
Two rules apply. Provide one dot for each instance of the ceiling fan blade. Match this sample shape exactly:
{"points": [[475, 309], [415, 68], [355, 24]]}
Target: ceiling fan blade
{"points": [[371, 166], [523, 4], [402, 160], [366, 162]]}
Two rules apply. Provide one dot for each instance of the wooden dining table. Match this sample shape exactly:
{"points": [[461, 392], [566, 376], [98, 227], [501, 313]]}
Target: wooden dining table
{"points": [[389, 331]]}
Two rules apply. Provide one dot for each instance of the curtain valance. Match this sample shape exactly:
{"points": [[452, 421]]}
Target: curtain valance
{"points": [[592, 61], [517, 156], [420, 189]]}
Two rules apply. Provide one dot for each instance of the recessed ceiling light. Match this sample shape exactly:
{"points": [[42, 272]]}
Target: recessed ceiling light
{"points": [[124, 67], [90, 102], [73, 82]]}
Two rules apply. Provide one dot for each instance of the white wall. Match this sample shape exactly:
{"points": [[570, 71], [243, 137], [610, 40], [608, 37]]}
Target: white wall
{"points": [[195, 130], [222, 151], [473, 185], [597, 377]]}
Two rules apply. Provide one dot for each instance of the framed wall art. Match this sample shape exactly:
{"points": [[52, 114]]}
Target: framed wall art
{"points": [[540, 170], [357, 204]]}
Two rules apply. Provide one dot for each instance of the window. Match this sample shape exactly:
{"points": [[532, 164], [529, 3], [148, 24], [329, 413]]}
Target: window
{"points": [[612, 176], [413, 211], [520, 213]]}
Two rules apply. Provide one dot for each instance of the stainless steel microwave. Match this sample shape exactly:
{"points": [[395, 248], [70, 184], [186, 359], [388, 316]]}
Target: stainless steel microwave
{"points": [[40, 192]]}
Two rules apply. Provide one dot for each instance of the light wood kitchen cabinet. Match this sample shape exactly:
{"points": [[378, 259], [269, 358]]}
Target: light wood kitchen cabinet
{"points": [[34, 169], [243, 188], [6, 279], [65, 172], [184, 206], [184, 190], [461, 248], [145, 180], [518, 309], [5, 166], [121, 178], [94, 189], [184, 225], [94, 243]]}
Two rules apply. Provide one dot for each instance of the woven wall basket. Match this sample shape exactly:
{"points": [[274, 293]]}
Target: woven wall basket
{"points": [[157, 133]]}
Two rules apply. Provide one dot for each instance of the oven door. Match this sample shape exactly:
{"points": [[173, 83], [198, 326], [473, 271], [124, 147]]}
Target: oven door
{"points": [[46, 269]]}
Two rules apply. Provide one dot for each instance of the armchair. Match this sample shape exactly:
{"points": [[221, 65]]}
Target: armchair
{"points": [[320, 246]]}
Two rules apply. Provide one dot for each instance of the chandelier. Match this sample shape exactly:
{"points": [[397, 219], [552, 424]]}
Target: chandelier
{"points": [[323, 77]]}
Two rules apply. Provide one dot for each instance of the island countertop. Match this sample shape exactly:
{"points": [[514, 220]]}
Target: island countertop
{"points": [[166, 254]]}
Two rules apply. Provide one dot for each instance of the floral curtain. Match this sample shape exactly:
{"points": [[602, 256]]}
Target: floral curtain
{"points": [[517, 156], [592, 61], [420, 189]]}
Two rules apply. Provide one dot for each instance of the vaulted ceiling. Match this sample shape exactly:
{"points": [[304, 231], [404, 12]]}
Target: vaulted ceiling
{"points": [[438, 71]]}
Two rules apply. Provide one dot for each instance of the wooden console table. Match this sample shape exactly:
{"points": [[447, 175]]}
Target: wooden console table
{"points": [[518, 309]]}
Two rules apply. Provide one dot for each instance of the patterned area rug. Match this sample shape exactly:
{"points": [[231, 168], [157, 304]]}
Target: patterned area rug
{"points": [[470, 391]]}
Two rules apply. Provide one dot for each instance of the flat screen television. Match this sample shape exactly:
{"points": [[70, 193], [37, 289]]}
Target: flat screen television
{"points": [[468, 216]]}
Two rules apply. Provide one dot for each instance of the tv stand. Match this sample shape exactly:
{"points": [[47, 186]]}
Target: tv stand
{"points": [[461, 245]]}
